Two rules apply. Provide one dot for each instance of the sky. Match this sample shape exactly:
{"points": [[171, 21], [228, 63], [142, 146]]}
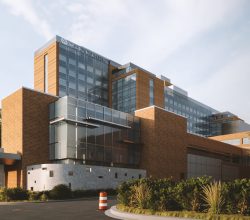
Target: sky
{"points": [[203, 46]]}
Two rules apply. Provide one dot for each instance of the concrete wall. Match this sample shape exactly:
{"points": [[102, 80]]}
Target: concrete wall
{"points": [[78, 176]]}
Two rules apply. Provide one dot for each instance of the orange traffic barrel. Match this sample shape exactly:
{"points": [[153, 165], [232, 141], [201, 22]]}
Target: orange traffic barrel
{"points": [[103, 201]]}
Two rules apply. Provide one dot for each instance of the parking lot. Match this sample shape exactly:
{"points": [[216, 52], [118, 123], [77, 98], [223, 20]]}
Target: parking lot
{"points": [[86, 209]]}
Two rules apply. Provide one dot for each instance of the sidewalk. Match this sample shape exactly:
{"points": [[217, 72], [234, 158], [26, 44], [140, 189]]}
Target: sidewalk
{"points": [[113, 212]]}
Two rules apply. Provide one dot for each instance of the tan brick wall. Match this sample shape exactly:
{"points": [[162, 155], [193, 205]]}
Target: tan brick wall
{"points": [[35, 128], [239, 135], [14, 175], [212, 145], [142, 90], [159, 92], [166, 144], [53, 77], [11, 179], [163, 135], [12, 122], [26, 129]]}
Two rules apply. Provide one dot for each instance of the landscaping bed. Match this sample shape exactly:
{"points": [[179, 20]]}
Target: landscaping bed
{"points": [[199, 198], [59, 192], [181, 214]]}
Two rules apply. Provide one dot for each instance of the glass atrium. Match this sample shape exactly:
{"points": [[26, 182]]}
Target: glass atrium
{"points": [[93, 134]]}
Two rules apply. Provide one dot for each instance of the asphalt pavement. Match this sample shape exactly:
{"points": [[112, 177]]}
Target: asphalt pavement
{"points": [[86, 209]]}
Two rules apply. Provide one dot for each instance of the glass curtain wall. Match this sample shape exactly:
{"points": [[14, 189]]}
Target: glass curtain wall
{"points": [[83, 74], [114, 138], [197, 114], [124, 94]]}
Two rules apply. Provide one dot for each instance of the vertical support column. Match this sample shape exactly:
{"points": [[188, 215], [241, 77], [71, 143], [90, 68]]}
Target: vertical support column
{"points": [[76, 127], [2, 176]]}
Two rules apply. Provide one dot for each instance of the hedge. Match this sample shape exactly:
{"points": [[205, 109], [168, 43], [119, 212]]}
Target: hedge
{"points": [[60, 191], [185, 195]]}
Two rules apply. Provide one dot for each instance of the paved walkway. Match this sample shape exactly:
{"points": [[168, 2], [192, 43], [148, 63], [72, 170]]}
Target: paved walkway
{"points": [[113, 212]]}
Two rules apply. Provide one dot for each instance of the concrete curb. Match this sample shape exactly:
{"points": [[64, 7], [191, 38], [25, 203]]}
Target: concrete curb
{"points": [[113, 212]]}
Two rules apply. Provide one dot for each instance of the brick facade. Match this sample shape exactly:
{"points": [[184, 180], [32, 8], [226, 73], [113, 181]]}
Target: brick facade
{"points": [[26, 131], [240, 136], [166, 144], [163, 135], [53, 78]]}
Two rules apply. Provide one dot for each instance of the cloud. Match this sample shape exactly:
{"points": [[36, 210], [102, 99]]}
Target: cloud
{"points": [[26, 10], [155, 35], [227, 89], [181, 22], [75, 7]]}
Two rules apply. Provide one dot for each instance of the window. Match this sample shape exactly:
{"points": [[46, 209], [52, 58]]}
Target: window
{"points": [[72, 61], [70, 173], [98, 72], [62, 57], [44, 168], [62, 82], [62, 70], [51, 173], [116, 175], [151, 92], [81, 65], [232, 141], [90, 68], [246, 140], [88, 169], [46, 73]]}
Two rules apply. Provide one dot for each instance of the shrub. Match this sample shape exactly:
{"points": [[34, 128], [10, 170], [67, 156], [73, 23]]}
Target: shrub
{"points": [[237, 196], [140, 195], [44, 197], [188, 193], [33, 195], [16, 193], [84, 193], [213, 197], [124, 192], [60, 191], [164, 195], [3, 194], [159, 193]]}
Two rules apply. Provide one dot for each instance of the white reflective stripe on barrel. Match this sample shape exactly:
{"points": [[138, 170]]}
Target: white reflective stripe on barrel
{"points": [[103, 204], [103, 198]]}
